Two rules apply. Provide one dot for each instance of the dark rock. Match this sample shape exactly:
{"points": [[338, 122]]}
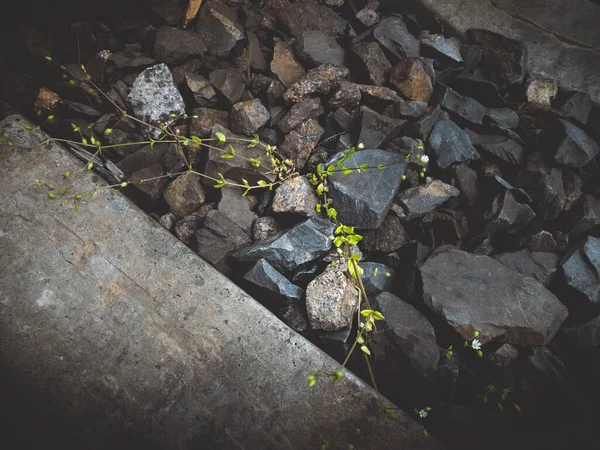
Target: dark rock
{"points": [[307, 109], [214, 249], [577, 105], [172, 13], [545, 186], [363, 199], [368, 15], [174, 45], [478, 293], [285, 66], [420, 200], [343, 119], [296, 196], [376, 278], [229, 82], [200, 88], [467, 183], [154, 97], [189, 66], [371, 62], [510, 215], [257, 57], [174, 160], [409, 332], [316, 48], [225, 228], [506, 58], [299, 145], [376, 129], [465, 107], [482, 90], [585, 336], [499, 146], [338, 341], [207, 119], [219, 27], [168, 220], [133, 61], [287, 250], [298, 17], [413, 79], [440, 47], [144, 157], [541, 92], [505, 356], [80, 109], [574, 148], [389, 237], [450, 144], [472, 55], [421, 128], [265, 276], [376, 96], [146, 181], [294, 318], [247, 117], [185, 194], [573, 184], [546, 372], [542, 241], [504, 117], [347, 95], [263, 228], [391, 33], [320, 80], [581, 268], [236, 207], [586, 216], [320, 156], [405, 108], [539, 265]]}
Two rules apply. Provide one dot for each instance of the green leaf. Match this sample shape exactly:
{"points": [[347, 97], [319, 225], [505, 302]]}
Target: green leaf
{"points": [[226, 156], [517, 407], [366, 350], [196, 140], [262, 183], [320, 189], [107, 131], [360, 339], [221, 137], [354, 239], [346, 170], [331, 213], [221, 182], [338, 241], [255, 162], [381, 166], [364, 166], [355, 257], [378, 316], [348, 230], [366, 312], [318, 208]]}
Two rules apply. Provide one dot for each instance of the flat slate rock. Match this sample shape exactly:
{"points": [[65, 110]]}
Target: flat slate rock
{"points": [[426, 198], [581, 268], [575, 147], [265, 276], [377, 277], [539, 265], [451, 144], [392, 33], [477, 293]]}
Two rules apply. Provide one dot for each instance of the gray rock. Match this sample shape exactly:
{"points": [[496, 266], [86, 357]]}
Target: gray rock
{"points": [[406, 108], [371, 62], [185, 194], [300, 144], [510, 215], [376, 278], [464, 107], [587, 215], [285, 65], [229, 82], [467, 183], [294, 318], [148, 181], [543, 241], [478, 293], [482, 90], [546, 188], [347, 95], [376, 130], [257, 57], [320, 80], [391, 32], [298, 17], [505, 356], [425, 198], [577, 105], [174, 45], [214, 249], [296, 196], [316, 48], [207, 119], [438, 46], [223, 227], [154, 97], [247, 117], [410, 332], [585, 336], [168, 221], [363, 199], [331, 299], [421, 128], [581, 268], [574, 148], [307, 109], [389, 237], [343, 119], [289, 249], [499, 146], [264, 275], [219, 27], [187, 226], [504, 117], [450, 144], [235, 206], [200, 88], [263, 228], [539, 265], [368, 15]]}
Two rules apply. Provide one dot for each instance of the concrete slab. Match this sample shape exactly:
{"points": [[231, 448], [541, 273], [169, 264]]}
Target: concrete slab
{"points": [[562, 36], [113, 334]]}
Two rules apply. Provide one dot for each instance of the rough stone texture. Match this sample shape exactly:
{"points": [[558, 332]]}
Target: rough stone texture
{"points": [[154, 96], [510, 215], [546, 188], [264, 275], [505, 356], [316, 48], [478, 293], [247, 117], [320, 80], [574, 148], [308, 109], [285, 66], [200, 88], [585, 336], [236, 207], [296, 196], [300, 144], [426, 198], [581, 268], [438, 46], [409, 331], [218, 26], [577, 105], [587, 215], [331, 299], [500, 146], [465, 107], [539, 265], [155, 186], [299, 17], [389, 237], [207, 119], [347, 95], [450, 144], [263, 228], [376, 129], [412, 78], [376, 277], [363, 199], [391, 32], [174, 45], [482, 90], [541, 92], [229, 82], [185, 194], [225, 228], [371, 62], [129, 333]]}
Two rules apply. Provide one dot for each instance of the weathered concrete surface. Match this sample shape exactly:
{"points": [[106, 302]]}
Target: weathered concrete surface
{"points": [[113, 334], [562, 36]]}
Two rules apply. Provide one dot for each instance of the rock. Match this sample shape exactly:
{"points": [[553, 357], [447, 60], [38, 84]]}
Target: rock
{"points": [[440, 47], [504, 117], [478, 293], [378, 96], [296, 196], [376, 130], [257, 57], [331, 299], [347, 95], [133, 61], [247, 117], [546, 372], [172, 13], [586, 216], [368, 15], [581, 268], [294, 318], [467, 183], [420, 200], [289, 249], [299, 145], [343, 119], [363, 199], [410, 332], [47, 99], [546, 188], [207, 119], [506, 58], [577, 105], [472, 55], [421, 128], [269, 90], [214, 249], [574, 148], [376, 278], [265, 276], [187, 226], [511, 215], [464, 107], [236, 207], [413, 80], [450, 144], [482, 90], [298, 17], [185, 194], [389, 237], [263, 228], [146, 181], [316, 48], [223, 227], [539, 265], [219, 28], [144, 157], [371, 62], [499, 146], [320, 80], [505, 356], [541, 92], [585, 336], [391, 33], [168, 220], [154, 97], [229, 82], [541, 242], [405, 108], [285, 66], [200, 88], [307, 109], [174, 45]]}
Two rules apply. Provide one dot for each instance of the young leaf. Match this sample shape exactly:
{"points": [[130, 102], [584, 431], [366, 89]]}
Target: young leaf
{"points": [[338, 241], [221, 137], [366, 350], [346, 170], [354, 239]]}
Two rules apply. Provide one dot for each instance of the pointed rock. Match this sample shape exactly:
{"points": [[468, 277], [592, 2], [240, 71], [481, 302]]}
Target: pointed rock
{"points": [[423, 199], [265, 276], [296, 196], [451, 144], [581, 268], [539, 265], [391, 32]]}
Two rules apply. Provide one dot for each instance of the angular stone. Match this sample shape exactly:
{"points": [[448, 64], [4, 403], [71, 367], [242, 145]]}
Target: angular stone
{"points": [[173, 13], [542, 241], [467, 183], [376, 278], [131, 62], [440, 47], [482, 90], [185, 194], [585, 336], [207, 119], [331, 300], [511, 215], [347, 95], [391, 32], [574, 148], [546, 188], [501, 147], [214, 249], [389, 237], [285, 66], [478, 293], [577, 105], [174, 45], [320, 80], [263, 228], [363, 199], [289, 249], [154, 97], [223, 227], [187, 226], [299, 145], [413, 79], [343, 119], [229, 82], [368, 15], [541, 92], [168, 220], [307, 109], [294, 318], [406, 108], [298, 17], [450, 144], [257, 57], [200, 88], [581, 268], [423, 199], [421, 128], [247, 117], [371, 62], [265, 276], [410, 332], [586, 216], [296, 196], [148, 181], [219, 27], [505, 356], [539, 265], [376, 129], [465, 107], [316, 48], [504, 117], [144, 157], [235, 206]]}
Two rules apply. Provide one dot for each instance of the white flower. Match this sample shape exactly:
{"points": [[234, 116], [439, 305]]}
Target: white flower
{"points": [[360, 146], [424, 159], [423, 413], [476, 344]]}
